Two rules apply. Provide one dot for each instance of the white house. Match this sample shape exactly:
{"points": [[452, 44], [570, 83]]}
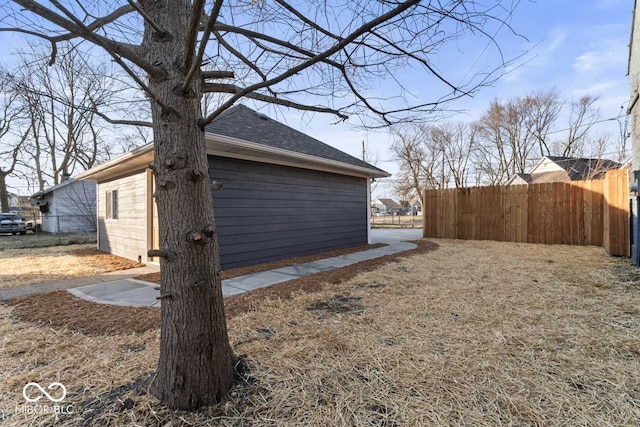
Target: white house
{"points": [[385, 206], [563, 169], [69, 207]]}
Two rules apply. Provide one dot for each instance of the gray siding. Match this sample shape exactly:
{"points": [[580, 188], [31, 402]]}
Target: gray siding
{"points": [[268, 212]]}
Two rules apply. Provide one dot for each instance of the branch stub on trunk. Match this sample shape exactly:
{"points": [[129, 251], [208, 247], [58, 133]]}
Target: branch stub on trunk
{"points": [[209, 230], [152, 253], [195, 236], [196, 175]]}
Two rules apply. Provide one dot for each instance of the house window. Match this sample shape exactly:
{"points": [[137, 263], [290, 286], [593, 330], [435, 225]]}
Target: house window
{"points": [[111, 204]]}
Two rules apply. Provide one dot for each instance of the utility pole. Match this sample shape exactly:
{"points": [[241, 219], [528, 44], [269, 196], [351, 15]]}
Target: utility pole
{"points": [[364, 156]]}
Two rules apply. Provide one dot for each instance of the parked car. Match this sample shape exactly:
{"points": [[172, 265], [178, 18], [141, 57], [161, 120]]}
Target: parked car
{"points": [[12, 223], [33, 225]]}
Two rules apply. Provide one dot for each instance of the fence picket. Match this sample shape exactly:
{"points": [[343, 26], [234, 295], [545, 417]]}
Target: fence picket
{"points": [[579, 213]]}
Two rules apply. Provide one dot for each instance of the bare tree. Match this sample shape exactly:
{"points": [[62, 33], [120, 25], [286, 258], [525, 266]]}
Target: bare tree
{"points": [[582, 117], [457, 141], [11, 142], [511, 131], [542, 111], [493, 155], [60, 100], [309, 56], [409, 150]]}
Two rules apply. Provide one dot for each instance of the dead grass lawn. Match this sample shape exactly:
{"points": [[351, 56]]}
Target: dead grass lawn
{"points": [[36, 265], [40, 240], [475, 333]]}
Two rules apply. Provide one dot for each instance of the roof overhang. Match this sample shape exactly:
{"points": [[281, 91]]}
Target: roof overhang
{"points": [[224, 146]]}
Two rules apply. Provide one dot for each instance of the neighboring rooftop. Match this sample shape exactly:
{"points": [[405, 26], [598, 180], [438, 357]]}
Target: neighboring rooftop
{"points": [[242, 122], [580, 168], [53, 188], [525, 176], [390, 203]]}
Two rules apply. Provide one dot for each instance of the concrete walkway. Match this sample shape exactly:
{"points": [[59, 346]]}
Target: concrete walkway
{"points": [[131, 292], [395, 235], [75, 282]]}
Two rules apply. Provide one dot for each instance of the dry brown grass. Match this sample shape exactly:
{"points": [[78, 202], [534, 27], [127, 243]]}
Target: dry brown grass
{"points": [[40, 240], [36, 265], [476, 333]]}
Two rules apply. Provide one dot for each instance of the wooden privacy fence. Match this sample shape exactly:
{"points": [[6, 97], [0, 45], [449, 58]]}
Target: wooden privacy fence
{"points": [[572, 213]]}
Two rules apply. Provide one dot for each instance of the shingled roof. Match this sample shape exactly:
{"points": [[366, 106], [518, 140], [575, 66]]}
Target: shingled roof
{"points": [[243, 123], [582, 168]]}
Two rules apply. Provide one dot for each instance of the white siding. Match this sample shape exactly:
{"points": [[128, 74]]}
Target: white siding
{"points": [[127, 235], [518, 181], [546, 165], [72, 209], [49, 221]]}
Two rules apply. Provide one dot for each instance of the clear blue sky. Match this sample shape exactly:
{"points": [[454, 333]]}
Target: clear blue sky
{"points": [[576, 47]]}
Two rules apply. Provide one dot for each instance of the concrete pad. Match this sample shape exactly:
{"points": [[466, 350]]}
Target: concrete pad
{"points": [[142, 296], [228, 291], [395, 235], [106, 289], [301, 270], [259, 280], [73, 282]]}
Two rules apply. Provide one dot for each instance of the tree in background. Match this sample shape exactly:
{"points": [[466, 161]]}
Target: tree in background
{"points": [[514, 134], [509, 138], [409, 149], [59, 101], [457, 141], [11, 140], [311, 56], [431, 156]]}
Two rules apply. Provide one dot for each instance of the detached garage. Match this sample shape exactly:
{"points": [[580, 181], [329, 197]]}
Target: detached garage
{"points": [[284, 194]]}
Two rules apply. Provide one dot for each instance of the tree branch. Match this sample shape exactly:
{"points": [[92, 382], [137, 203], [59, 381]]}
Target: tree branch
{"points": [[190, 43], [195, 66], [98, 23], [217, 75], [161, 33], [123, 122], [233, 89], [368, 26], [93, 37], [75, 26]]}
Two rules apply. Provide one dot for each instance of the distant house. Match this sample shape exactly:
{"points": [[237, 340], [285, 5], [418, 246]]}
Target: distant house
{"points": [[415, 205], [18, 204], [564, 169], [69, 207], [385, 207]]}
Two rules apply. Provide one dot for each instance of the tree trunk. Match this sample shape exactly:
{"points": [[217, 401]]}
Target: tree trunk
{"points": [[195, 366], [4, 194]]}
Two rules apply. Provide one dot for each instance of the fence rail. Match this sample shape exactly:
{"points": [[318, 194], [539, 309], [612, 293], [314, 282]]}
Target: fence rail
{"points": [[592, 212]]}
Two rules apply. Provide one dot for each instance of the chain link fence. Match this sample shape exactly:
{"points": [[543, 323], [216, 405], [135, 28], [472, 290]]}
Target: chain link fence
{"points": [[397, 220], [49, 230]]}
